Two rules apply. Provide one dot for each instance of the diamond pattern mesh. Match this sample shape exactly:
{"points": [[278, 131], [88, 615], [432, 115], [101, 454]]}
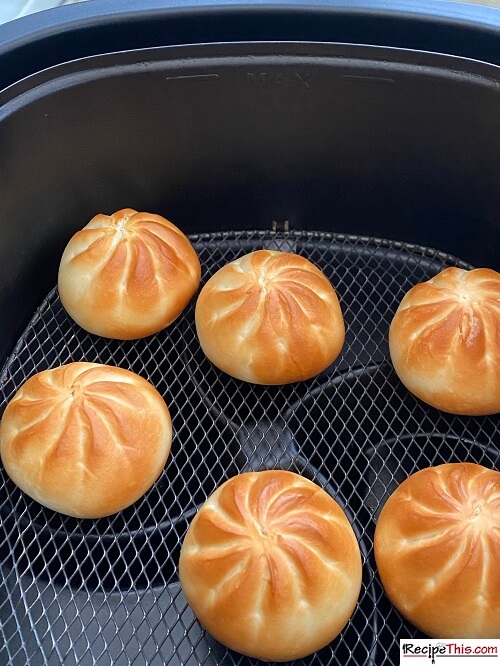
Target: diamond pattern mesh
{"points": [[106, 591]]}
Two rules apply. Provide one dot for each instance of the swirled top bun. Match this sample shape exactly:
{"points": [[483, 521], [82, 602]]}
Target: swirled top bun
{"points": [[270, 318], [85, 439], [444, 341], [270, 566], [127, 275], [437, 546]]}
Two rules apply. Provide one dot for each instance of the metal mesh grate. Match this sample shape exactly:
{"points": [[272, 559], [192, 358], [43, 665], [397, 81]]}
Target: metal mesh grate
{"points": [[106, 591]]}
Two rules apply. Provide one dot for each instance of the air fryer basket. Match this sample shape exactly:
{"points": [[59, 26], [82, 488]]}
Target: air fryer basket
{"points": [[323, 150], [355, 430]]}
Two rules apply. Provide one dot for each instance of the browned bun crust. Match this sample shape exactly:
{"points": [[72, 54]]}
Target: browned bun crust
{"points": [[270, 318], [85, 439], [437, 547], [270, 566], [445, 341], [127, 275]]}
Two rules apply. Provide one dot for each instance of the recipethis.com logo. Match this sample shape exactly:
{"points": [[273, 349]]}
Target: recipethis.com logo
{"points": [[455, 651]]}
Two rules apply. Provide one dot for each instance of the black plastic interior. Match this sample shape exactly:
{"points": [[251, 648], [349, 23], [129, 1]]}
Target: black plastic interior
{"points": [[363, 140], [106, 26]]}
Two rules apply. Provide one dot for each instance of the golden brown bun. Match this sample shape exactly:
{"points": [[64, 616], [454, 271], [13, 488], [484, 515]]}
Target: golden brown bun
{"points": [[270, 318], [85, 439], [437, 546], [127, 275], [445, 341], [270, 566]]}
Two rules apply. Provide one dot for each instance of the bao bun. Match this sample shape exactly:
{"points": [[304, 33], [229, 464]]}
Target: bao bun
{"points": [[270, 318], [437, 547], [127, 275], [270, 566], [445, 341], [85, 439]]}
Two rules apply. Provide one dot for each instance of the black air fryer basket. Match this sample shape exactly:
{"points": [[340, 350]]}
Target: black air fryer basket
{"points": [[364, 137]]}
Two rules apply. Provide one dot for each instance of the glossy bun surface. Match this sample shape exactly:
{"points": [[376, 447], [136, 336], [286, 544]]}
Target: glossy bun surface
{"points": [[444, 341], [85, 439], [437, 547], [270, 317], [127, 275], [270, 566]]}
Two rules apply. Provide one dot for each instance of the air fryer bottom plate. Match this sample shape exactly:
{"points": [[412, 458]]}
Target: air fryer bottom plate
{"points": [[106, 591]]}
